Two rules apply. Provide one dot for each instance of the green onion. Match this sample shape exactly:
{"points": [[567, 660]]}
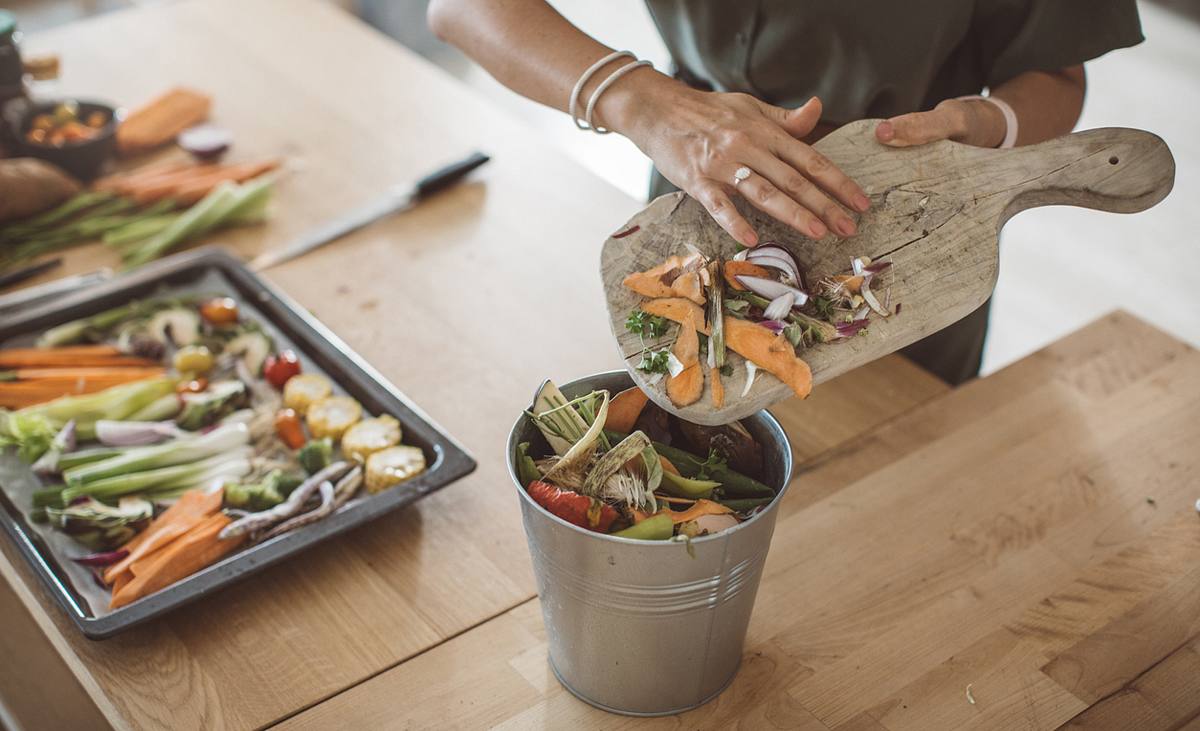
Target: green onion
{"points": [[180, 451]]}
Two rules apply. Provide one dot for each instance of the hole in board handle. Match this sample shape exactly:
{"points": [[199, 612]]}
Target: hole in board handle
{"points": [[1113, 160]]}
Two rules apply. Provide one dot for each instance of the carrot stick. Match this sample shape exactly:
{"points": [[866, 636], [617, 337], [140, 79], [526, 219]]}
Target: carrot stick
{"points": [[181, 558], [195, 190], [120, 182], [164, 186], [188, 511], [19, 394], [78, 356], [98, 372]]}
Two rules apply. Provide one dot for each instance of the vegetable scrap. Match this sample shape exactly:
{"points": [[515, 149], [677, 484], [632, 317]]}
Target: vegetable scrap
{"points": [[171, 432], [599, 469], [758, 304]]}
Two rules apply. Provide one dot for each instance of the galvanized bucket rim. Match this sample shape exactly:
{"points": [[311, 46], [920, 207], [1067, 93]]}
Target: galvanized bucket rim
{"points": [[772, 422]]}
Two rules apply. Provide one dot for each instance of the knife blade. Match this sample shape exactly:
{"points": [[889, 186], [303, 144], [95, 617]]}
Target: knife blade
{"points": [[32, 295], [396, 199]]}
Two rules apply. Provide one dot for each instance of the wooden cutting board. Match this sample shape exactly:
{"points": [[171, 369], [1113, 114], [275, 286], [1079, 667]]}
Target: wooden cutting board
{"points": [[936, 213]]}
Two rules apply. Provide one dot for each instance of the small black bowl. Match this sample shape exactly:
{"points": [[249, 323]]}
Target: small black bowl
{"points": [[82, 159]]}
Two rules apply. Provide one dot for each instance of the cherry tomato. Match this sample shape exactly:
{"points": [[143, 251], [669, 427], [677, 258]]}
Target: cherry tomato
{"points": [[193, 386], [220, 311], [287, 426], [280, 367]]}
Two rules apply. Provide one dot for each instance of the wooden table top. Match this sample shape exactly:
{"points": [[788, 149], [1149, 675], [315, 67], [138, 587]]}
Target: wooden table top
{"points": [[998, 535]]}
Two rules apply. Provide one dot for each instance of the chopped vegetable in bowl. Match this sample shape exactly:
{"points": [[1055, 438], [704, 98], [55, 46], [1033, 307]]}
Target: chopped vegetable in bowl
{"points": [[600, 469]]}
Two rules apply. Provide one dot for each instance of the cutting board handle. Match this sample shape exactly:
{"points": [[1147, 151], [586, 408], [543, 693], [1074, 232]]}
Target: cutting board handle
{"points": [[1110, 169]]}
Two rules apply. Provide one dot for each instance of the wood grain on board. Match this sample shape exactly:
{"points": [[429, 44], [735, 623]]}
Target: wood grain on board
{"points": [[1031, 537], [936, 214]]}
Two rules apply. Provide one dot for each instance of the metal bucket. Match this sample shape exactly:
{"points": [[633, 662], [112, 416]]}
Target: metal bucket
{"points": [[648, 628]]}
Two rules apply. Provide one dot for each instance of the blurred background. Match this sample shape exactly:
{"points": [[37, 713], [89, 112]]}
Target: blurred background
{"points": [[1060, 267]]}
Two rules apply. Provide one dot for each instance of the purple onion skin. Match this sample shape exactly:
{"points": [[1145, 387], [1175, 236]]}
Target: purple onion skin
{"points": [[775, 326], [101, 559]]}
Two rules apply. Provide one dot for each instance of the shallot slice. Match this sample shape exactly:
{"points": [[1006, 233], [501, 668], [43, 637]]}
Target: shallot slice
{"points": [[751, 372], [869, 297], [325, 508], [780, 306], [771, 289]]}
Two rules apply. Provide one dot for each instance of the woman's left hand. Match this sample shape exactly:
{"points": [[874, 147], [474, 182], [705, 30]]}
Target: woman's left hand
{"points": [[973, 122]]}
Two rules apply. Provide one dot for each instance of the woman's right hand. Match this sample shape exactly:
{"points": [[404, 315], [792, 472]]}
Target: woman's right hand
{"points": [[698, 139]]}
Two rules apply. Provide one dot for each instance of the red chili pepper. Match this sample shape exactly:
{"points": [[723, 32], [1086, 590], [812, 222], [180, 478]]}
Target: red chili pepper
{"points": [[572, 507], [220, 311], [280, 367], [287, 426]]}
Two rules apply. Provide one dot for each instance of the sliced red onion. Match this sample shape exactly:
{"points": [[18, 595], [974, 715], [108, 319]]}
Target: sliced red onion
{"points": [[857, 265], [779, 252], [775, 261], [775, 326], [135, 433], [780, 306], [206, 142], [771, 289], [751, 372], [849, 329], [741, 255], [99, 560], [869, 297]]}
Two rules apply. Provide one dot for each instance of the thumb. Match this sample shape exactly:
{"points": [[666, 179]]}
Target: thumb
{"points": [[917, 129], [802, 120]]}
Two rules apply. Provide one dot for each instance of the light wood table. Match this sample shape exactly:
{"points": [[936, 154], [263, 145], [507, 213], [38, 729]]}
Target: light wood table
{"points": [[997, 535]]}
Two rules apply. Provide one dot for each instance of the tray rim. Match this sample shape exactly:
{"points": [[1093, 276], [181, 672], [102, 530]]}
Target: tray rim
{"points": [[452, 461]]}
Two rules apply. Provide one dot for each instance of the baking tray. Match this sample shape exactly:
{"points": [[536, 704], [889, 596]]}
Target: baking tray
{"points": [[212, 270]]}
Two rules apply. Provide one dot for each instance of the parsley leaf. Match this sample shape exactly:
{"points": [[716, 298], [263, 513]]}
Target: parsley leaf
{"points": [[646, 325], [654, 361]]}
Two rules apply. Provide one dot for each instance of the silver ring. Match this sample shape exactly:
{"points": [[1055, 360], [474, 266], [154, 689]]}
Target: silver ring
{"points": [[741, 174]]}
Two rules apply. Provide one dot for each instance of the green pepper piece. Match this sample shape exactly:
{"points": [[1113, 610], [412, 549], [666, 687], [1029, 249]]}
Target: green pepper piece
{"points": [[527, 470], [658, 527], [687, 487], [744, 504]]}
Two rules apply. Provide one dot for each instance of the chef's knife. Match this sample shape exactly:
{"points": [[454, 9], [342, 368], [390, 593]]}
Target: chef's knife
{"points": [[30, 296], [397, 199]]}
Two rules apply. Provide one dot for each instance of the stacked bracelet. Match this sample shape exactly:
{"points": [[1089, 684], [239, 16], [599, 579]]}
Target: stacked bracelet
{"points": [[587, 122], [1010, 117]]}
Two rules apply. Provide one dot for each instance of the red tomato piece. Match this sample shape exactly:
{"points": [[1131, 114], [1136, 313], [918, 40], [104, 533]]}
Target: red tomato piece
{"points": [[572, 507], [280, 367]]}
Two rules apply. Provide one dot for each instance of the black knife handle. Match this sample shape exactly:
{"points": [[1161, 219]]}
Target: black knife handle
{"points": [[445, 177]]}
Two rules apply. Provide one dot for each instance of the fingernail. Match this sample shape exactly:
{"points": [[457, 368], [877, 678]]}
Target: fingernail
{"points": [[885, 132], [846, 227], [750, 239], [818, 230], [861, 202]]}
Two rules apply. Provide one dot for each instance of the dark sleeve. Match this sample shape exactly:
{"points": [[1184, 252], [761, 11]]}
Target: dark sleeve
{"points": [[1015, 36]]}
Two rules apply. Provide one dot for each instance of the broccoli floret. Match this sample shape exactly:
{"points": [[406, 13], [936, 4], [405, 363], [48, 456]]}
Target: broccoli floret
{"points": [[273, 489], [315, 455]]}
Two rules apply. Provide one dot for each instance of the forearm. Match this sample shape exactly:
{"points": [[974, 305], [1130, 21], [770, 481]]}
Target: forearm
{"points": [[1047, 104], [527, 46]]}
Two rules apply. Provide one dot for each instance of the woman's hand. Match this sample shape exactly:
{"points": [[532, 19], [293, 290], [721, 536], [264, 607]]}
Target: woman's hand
{"points": [[698, 140], [973, 122]]}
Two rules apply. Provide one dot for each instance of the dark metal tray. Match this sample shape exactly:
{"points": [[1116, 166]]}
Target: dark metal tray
{"points": [[319, 350]]}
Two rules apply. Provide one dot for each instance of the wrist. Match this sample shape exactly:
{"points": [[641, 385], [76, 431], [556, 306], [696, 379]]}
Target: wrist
{"points": [[986, 124], [636, 101]]}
